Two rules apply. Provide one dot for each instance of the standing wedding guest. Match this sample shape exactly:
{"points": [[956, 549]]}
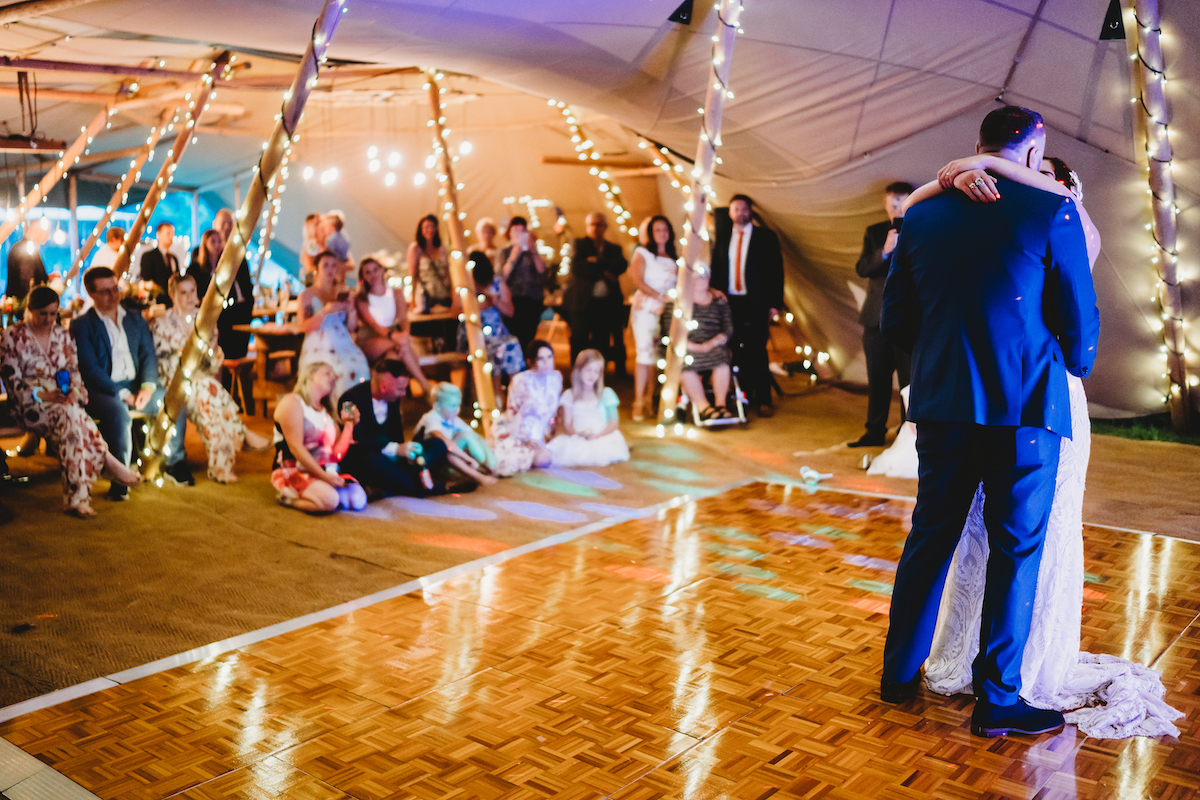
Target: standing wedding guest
{"points": [[314, 243], [308, 446], [654, 272], [708, 347], [205, 258], [327, 316], [429, 268], [593, 299], [588, 431], [120, 372], [523, 271], [25, 267], [46, 395], [378, 456], [239, 305], [158, 264], [502, 348], [883, 357], [383, 320], [519, 437], [485, 232], [106, 256], [209, 406], [747, 266]]}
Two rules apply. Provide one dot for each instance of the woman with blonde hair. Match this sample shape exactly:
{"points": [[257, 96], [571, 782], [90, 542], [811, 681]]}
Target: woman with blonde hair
{"points": [[308, 446], [588, 421]]}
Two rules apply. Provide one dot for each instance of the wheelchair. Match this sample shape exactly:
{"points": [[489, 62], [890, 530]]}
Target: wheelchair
{"points": [[736, 401]]}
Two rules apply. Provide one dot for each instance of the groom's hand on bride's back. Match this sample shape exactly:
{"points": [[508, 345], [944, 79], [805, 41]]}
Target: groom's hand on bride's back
{"points": [[1070, 296]]}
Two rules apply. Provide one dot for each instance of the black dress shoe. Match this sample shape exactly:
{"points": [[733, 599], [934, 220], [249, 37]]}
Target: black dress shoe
{"points": [[892, 692], [867, 440], [117, 492], [180, 473], [989, 719]]}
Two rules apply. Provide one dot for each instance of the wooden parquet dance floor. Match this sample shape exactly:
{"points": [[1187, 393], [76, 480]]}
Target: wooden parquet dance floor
{"points": [[727, 648]]}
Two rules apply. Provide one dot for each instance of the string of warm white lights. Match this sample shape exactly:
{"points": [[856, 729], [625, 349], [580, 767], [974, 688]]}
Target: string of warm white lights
{"points": [[276, 154], [586, 150], [1152, 80], [697, 205], [267, 232]]}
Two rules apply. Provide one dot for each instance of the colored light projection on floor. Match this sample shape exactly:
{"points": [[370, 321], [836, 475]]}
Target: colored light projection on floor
{"points": [[769, 592], [725, 532], [729, 551], [551, 484], [804, 540], [432, 508], [634, 572], [470, 544], [870, 563], [678, 488], [620, 512], [744, 570], [582, 477], [675, 452], [871, 586], [668, 471], [538, 511]]}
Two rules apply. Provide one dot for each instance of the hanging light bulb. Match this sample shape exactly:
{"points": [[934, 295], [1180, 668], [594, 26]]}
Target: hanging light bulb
{"points": [[374, 165], [419, 179], [389, 179], [394, 159], [307, 174], [372, 151], [430, 161], [464, 148]]}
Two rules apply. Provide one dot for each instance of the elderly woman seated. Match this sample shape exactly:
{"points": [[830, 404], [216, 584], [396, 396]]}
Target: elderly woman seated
{"points": [[40, 369], [707, 347]]}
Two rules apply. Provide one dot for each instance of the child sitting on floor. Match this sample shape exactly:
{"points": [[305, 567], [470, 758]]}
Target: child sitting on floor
{"points": [[588, 419], [467, 450]]}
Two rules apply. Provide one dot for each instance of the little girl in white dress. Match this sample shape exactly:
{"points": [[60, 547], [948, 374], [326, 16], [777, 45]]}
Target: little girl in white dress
{"points": [[589, 437]]}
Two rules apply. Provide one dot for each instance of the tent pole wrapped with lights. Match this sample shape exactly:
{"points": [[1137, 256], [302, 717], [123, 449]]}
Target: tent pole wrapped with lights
{"points": [[65, 160], [695, 254], [122, 193], [460, 274], [276, 152], [166, 173], [1151, 79], [264, 238]]}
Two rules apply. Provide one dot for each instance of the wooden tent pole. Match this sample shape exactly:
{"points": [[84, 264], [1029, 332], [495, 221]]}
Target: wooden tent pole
{"points": [[65, 160], [275, 156], [1154, 116], [696, 246], [166, 173], [460, 273], [14, 12], [264, 242], [119, 196]]}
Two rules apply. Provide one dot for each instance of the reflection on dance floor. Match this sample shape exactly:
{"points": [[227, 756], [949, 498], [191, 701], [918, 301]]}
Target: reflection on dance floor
{"points": [[726, 648]]}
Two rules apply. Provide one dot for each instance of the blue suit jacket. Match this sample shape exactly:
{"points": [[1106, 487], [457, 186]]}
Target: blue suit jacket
{"points": [[995, 302], [95, 351]]}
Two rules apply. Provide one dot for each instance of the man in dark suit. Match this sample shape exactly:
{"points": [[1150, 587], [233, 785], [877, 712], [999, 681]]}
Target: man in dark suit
{"points": [[119, 369], [379, 459], [160, 264], [747, 266], [995, 301], [593, 299], [25, 267], [883, 357]]}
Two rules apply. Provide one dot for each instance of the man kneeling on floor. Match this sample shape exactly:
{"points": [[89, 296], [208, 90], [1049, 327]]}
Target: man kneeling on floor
{"points": [[379, 459]]}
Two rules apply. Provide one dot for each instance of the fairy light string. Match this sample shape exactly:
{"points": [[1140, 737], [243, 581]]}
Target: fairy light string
{"points": [[586, 151]]}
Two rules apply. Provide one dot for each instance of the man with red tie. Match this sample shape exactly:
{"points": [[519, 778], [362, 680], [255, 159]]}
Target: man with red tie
{"points": [[747, 265]]}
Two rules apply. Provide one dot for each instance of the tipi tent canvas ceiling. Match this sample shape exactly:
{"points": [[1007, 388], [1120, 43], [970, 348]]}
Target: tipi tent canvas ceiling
{"points": [[832, 101]]}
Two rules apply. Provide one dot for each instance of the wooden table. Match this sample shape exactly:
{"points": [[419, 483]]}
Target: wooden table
{"points": [[271, 337]]}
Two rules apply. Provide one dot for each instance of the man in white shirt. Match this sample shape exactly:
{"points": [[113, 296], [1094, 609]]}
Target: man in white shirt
{"points": [[119, 369], [106, 256]]}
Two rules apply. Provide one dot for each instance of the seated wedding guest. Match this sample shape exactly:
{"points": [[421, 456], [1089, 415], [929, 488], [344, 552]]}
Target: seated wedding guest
{"points": [[25, 267], [46, 396], [429, 268], [158, 264], [378, 457], [523, 270], [466, 450], [209, 406], [503, 349], [518, 438], [314, 243], [308, 446], [106, 256], [588, 434], [708, 345], [327, 316], [654, 272], [383, 320], [120, 373]]}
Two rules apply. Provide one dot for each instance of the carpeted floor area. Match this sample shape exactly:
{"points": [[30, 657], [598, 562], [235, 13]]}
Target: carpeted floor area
{"points": [[178, 568]]}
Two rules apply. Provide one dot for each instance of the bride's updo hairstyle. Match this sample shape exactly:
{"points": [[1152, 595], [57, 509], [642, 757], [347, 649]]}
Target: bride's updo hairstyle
{"points": [[1067, 177]]}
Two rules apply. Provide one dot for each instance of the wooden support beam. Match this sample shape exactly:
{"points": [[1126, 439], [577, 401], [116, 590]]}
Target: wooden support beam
{"points": [[276, 83], [14, 12], [616, 163], [31, 64]]}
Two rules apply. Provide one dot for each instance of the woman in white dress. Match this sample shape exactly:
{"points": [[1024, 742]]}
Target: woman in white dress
{"points": [[327, 316], [588, 419], [653, 271], [1104, 696], [383, 320]]}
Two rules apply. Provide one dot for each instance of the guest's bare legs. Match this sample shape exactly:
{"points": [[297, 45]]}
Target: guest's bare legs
{"points": [[641, 377], [720, 382], [469, 467], [694, 389]]}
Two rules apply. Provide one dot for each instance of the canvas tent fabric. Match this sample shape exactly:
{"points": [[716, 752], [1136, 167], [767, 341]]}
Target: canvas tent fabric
{"points": [[832, 102]]}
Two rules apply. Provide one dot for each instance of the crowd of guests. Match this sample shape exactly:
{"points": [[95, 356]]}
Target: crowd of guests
{"points": [[339, 435]]}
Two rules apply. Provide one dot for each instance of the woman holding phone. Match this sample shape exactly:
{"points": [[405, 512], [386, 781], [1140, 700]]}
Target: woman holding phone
{"points": [[40, 369], [327, 315]]}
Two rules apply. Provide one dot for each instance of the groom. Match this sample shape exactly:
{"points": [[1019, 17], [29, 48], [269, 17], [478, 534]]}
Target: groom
{"points": [[995, 301]]}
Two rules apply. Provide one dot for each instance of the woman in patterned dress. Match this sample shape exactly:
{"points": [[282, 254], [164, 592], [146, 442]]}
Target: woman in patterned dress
{"points": [[707, 347], [328, 316], [429, 267], [32, 354], [519, 437], [209, 406]]}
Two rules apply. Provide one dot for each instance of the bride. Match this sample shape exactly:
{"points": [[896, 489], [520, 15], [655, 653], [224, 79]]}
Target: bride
{"points": [[1103, 696]]}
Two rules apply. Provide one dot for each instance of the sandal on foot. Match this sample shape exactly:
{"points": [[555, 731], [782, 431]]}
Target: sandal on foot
{"points": [[709, 412]]}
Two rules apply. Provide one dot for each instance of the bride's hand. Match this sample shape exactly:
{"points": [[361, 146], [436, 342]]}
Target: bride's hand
{"points": [[977, 185], [948, 173]]}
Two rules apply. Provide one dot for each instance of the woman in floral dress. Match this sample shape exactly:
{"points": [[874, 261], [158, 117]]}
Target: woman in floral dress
{"points": [[209, 406], [32, 355], [519, 437], [328, 316]]}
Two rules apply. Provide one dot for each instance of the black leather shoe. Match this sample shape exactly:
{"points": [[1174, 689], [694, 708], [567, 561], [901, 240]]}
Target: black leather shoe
{"points": [[892, 692], [117, 492], [989, 719], [180, 473], [867, 440]]}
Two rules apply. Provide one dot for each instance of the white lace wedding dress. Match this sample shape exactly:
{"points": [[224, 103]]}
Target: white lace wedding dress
{"points": [[1103, 696]]}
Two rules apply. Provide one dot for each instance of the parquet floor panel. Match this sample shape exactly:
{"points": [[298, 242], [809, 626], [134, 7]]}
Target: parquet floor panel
{"points": [[729, 648]]}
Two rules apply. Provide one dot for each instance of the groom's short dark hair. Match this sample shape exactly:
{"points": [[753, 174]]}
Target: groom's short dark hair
{"points": [[1009, 127]]}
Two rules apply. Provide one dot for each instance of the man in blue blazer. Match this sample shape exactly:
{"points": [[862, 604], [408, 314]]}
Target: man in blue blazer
{"points": [[119, 369], [995, 302]]}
